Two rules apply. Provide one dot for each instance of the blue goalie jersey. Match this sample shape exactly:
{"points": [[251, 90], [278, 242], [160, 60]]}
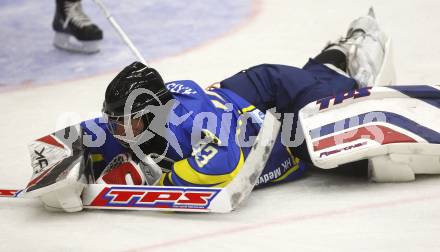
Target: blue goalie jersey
{"points": [[227, 120]]}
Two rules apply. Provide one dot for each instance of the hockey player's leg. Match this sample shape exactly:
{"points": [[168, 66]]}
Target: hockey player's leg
{"points": [[368, 51], [334, 59], [74, 30]]}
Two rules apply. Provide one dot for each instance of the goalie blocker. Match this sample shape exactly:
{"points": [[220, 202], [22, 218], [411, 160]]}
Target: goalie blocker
{"points": [[396, 128]]}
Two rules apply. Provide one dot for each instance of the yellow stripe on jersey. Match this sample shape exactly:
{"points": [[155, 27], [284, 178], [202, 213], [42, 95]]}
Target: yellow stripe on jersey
{"points": [[215, 94], [295, 167], [96, 157], [170, 178], [162, 178], [219, 105], [247, 109], [238, 130], [184, 170], [165, 176]]}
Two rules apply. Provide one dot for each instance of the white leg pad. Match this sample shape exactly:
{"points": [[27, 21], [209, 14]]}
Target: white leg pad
{"points": [[402, 168], [384, 169]]}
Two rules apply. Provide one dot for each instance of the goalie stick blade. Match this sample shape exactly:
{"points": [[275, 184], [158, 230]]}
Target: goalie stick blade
{"points": [[10, 193], [189, 199], [158, 198]]}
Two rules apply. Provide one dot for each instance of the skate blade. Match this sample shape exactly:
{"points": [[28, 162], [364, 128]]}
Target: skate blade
{"points": [[371, 12], [70, 43]]}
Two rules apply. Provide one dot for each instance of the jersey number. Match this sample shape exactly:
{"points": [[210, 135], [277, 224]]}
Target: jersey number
{"points": [[205, 155]]}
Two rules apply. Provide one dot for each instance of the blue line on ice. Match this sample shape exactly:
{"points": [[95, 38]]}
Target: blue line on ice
{"points": [[158, 28]]}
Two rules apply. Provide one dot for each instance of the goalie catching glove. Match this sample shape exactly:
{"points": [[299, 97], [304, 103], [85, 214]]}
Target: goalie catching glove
{"points": [[122, 170]]}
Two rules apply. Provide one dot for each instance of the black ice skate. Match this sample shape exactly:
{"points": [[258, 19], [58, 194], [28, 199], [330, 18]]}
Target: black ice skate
{"points": [[73, 29]]}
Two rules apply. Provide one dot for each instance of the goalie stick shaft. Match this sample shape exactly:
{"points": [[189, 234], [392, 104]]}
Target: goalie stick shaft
{"points": [[120, 31]]}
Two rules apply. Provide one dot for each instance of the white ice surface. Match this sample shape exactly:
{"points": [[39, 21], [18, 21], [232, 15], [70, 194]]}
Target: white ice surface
{"points": [[321, 212]]}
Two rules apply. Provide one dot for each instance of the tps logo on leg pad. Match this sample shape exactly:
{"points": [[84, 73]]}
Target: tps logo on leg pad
{"points": [[340, 98]]}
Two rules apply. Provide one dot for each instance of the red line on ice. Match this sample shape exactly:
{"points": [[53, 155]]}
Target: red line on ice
{"points": [[287, 219]]}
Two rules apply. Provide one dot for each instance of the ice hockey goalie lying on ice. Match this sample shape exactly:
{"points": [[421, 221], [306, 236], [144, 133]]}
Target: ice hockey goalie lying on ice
{"points": [[176, 133]]}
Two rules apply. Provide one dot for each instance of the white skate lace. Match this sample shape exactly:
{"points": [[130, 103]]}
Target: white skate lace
{"points": [[75, 14]]}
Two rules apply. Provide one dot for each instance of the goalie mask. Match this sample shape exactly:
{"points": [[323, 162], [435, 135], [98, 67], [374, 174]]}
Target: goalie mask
{"points": [[127, 99]]}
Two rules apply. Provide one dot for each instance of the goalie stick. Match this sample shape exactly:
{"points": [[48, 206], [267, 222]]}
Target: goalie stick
{"points": [[120, 31], [10, 193], [185, 199]]}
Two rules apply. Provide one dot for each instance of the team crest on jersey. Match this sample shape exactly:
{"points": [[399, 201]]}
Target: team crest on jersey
{"points": [[156, 197]]}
